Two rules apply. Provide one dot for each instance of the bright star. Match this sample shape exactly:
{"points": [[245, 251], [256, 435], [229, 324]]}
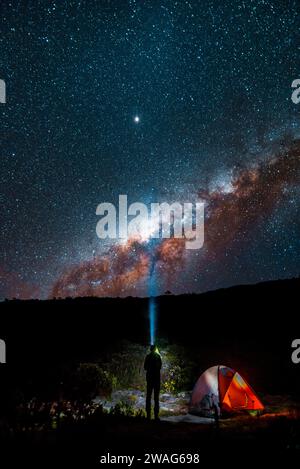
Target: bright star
{"points": [[136, 119]]}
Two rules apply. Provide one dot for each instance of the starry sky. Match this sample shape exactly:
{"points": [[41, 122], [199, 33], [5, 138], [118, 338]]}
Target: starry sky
{"points": [[161, 100]]}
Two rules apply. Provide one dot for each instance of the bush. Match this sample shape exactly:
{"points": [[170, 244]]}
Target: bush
{"points": [[127, 365], [122, 409], [176, 373], [125, 409], [93, 380]]}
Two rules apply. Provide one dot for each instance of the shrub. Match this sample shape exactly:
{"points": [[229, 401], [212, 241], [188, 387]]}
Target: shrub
{"points": [[92, 380]]}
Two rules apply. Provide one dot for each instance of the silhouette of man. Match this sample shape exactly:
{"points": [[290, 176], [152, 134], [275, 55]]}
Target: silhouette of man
{"points": [[152, 366]]}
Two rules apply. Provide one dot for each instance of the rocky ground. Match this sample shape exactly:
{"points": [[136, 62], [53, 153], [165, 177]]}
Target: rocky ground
{"points": [[174, 407], [169, 404]]}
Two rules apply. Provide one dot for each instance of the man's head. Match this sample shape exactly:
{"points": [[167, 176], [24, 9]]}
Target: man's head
{"points": [[153, 348]]}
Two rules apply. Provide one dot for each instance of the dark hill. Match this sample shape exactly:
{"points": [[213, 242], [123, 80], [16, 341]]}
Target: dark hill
{"points": [[249, 327]]}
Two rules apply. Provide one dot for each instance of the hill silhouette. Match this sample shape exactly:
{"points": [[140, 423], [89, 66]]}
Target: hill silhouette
{"points": [[248, 326]]}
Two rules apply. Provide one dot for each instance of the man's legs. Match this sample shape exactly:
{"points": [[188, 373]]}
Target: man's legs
{"points": [[148, 399], [156, 399]]}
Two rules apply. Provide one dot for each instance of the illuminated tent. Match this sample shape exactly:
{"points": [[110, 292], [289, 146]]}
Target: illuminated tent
{"points": [[224, 388]]}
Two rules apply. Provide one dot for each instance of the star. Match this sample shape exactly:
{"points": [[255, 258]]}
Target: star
{"points": [[150, 126]]}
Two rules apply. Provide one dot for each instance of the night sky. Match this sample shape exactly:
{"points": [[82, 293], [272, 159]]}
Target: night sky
{"points": [[162, 101]]}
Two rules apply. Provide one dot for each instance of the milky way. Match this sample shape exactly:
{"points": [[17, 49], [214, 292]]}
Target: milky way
{"points": [[160, 100], [254, 194]]}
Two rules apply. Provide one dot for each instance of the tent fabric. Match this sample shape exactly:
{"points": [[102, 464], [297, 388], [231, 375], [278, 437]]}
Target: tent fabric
{"points": [[223, 388]]}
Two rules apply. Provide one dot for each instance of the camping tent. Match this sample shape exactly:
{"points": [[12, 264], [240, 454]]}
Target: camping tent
{"points": [[223, 387]]}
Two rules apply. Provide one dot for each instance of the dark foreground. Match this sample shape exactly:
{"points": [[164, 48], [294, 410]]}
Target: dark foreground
{"points": [[269, 437], [249, 328]]}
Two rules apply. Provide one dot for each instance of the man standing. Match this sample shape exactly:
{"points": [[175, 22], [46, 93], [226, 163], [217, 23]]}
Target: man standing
{"points": [[152, 366]]}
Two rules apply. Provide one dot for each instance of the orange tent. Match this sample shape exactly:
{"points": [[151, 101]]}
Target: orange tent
{"points": [[223, 388]]}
